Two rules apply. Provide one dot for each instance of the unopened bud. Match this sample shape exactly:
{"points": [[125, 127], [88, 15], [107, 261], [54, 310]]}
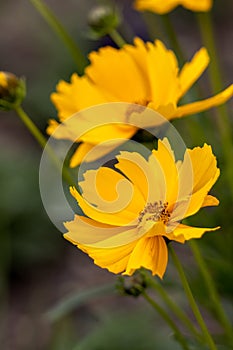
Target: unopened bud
{"points": [[12, 91], [132, 285], [102, 20]]}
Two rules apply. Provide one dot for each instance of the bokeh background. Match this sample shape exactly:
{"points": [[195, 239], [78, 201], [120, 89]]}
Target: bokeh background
{"points": [[38, 268]]}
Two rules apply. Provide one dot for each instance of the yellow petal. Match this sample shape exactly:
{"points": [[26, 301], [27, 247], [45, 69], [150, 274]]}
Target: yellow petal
{"points": [[203, 105], [193, 70], [87, 152], [189, 232], [135, 167], [88, 232], [150, 253], [118, 201], [157, 6], [204, 166], [138, 52], [197, 5], [165, 156], [210, 201], [197, 175], [163, 73], [162, 6], [61, 131], [126, 81], [113, 259], [79, 94], [80, 153], [111, 192]]}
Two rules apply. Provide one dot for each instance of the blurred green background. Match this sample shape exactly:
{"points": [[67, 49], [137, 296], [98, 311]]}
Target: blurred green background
{"points": [[37, 266]]}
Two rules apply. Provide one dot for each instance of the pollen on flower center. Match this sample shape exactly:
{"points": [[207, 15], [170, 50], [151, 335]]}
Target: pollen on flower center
{"points": [[156, 211]]}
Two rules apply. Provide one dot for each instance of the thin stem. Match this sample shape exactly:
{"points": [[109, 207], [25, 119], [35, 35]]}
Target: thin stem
{"points": [[212, 292], [43, 143], [168, 26], [153, 25], [223, 122], [76, 299], [167, 319], [170, 303], [117, 38], [61, 32], [192, 301]]}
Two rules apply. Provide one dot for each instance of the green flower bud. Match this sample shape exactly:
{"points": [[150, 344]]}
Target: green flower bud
{"points": [[12, 91], [102, 20], [132, 285]]}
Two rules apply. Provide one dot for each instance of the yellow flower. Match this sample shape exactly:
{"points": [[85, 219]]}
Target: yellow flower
{"points": [[3, 80], [12, 90], [165, 6], [134, 210], [144, 73]]}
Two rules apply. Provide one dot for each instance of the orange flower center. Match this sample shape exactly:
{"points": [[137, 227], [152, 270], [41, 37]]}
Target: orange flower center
{"points": [[156, 211]]}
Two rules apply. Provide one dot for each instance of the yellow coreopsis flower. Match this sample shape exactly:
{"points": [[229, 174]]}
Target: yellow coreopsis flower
{"points": [[144, 73], [165, 6], [131, 212], [12, 90], [3, 80]]}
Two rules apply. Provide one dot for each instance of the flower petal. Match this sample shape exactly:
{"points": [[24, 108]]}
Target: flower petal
{"points": [[210, 201], [162, 6], [189, 232], [158, 6], [79, 94], [113, 259], [200, 106], [197, 5], [137, 169], [163, 73], [150, 253], [193, 70], [109, 197], [204, 167], [165, 157], [80, 153], [197, 175], [126, 81], [85, 231]]}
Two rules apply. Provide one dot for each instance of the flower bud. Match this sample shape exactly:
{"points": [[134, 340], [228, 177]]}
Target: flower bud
{"points": [[12, 91], [132, 285], [102, 20]]}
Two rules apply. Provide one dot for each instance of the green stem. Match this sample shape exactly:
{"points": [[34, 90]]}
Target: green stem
{"points": [[61, 32], [223, 122], [167, 319], [212, 292], [192, 301], [76, 299], [170, 303], [117, 38], [168, 26], [43, 143], [153, 25], [194, 129]]}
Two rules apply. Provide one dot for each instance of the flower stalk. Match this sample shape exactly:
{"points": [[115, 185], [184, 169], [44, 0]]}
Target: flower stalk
{"points": [[117, 38], [167, 319], [192, 302], [223, 123], [42, 142], [171, 304], [212, 292], [61, 32]]}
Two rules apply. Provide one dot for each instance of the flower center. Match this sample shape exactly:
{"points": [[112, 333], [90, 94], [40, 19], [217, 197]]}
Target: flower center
{"points": [[156, 211]]}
